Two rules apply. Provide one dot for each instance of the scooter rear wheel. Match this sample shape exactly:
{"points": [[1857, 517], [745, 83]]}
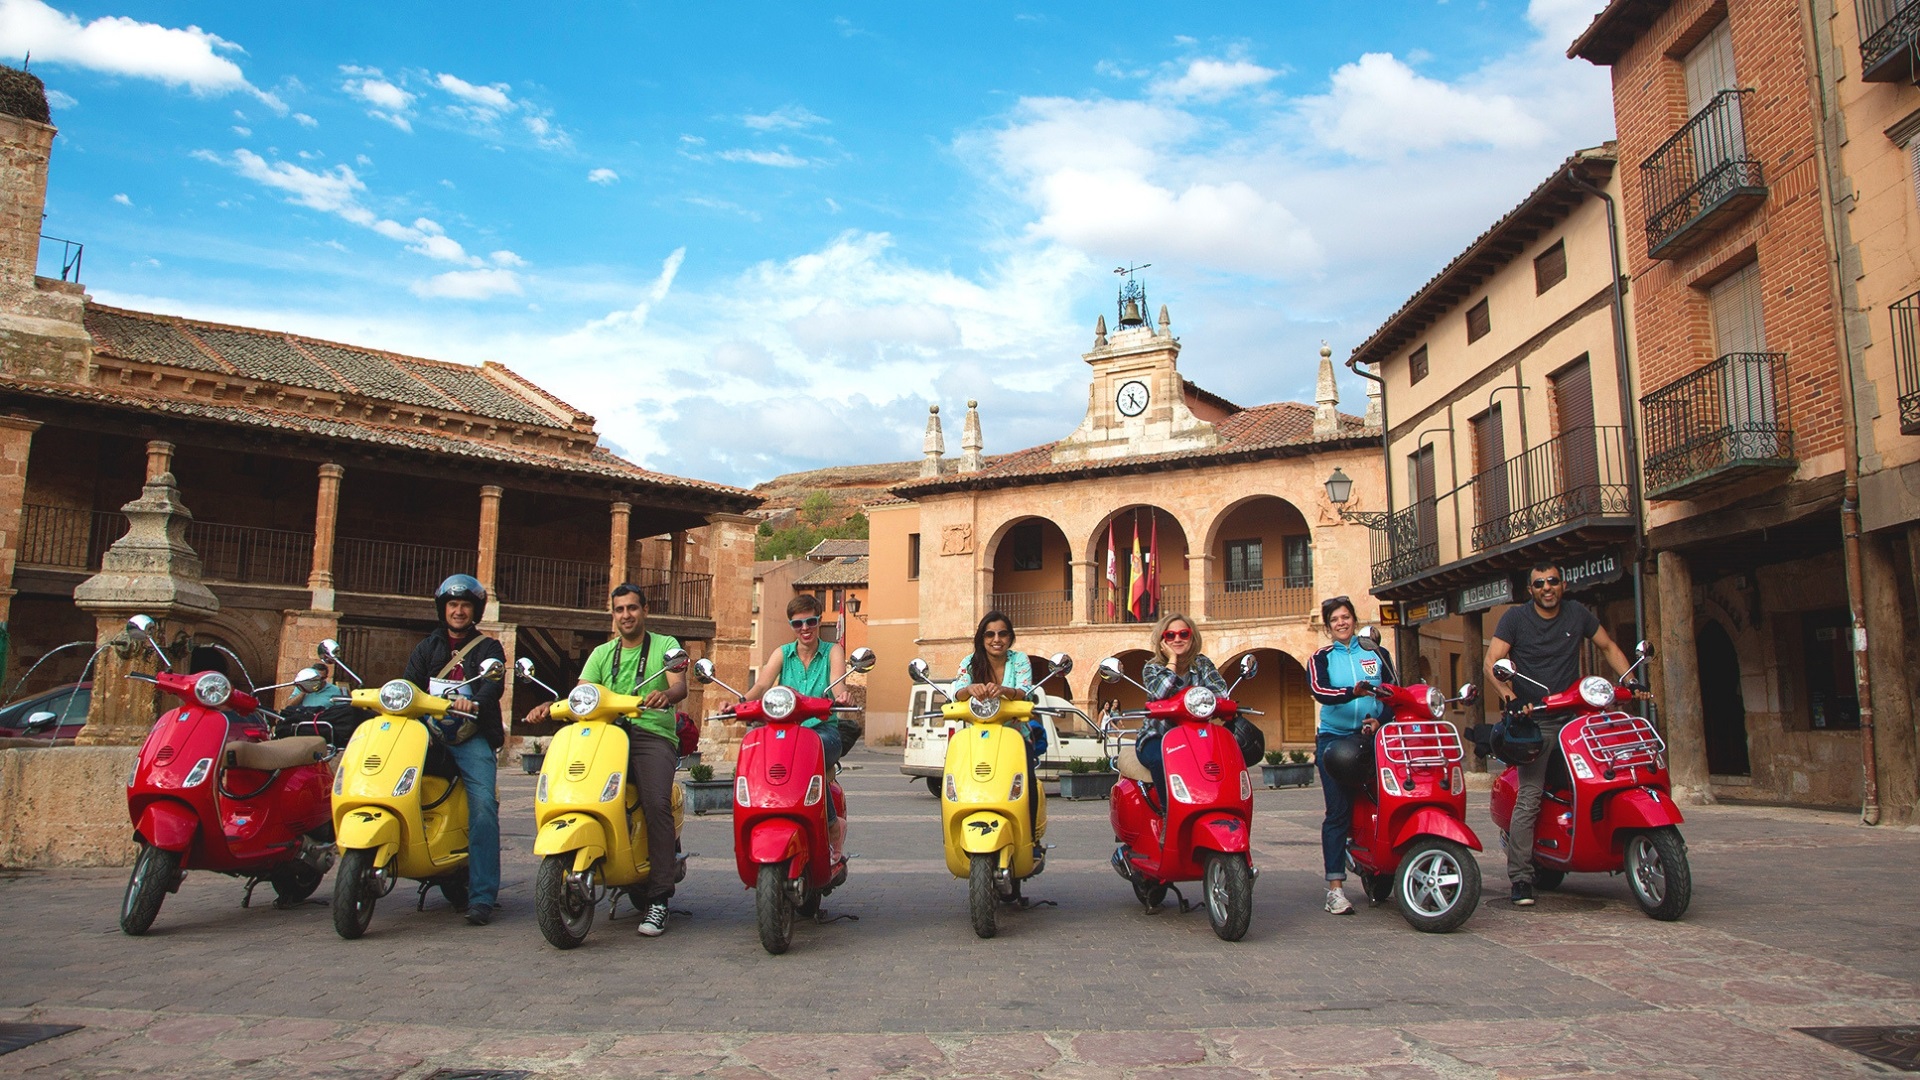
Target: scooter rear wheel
{"points": [[354, 893], [153, 874], [565, 917], [1379, 887], [1438, 885], [933, 786], [1228, 882], [1658, 873], [1150, 894], [1547, 880], [774, 908], [293, 882], [983, 900]]}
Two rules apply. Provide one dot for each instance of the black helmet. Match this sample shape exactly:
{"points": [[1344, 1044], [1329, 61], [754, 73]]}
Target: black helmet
{"points": [[1517, 740], [460, 587], [1349, 760]]}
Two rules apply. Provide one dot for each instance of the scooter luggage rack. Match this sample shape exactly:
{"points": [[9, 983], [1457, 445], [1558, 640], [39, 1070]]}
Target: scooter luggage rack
{"points": [[1619, 738], [1421, 742]]}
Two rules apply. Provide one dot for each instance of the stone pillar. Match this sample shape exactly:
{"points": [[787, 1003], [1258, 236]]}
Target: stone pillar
{"points": [[326, 517], [489, 547], [619, 539], [730, 540], [1685, 720], [16, 443], [159, 458], [1407, 663], [1086, 591], [300, 635], [150, 571], [1473, 662], [1894, 747], [1199, 576], [676, 566]]}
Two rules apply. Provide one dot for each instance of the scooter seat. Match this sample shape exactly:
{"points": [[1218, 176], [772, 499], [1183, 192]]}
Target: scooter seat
{"points": [[1130, 766], [277, 754]]}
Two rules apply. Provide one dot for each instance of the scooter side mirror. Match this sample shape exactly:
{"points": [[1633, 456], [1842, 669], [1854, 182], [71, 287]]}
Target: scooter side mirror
{"points": [[523, 668], [862, 660], [1062, 664], [917, 670], [1368, 634], [1249, 667], [329, 649], [142, 627], [703, 670], [1644, 649], [676, 660], [1503, 670], [40, 721], [1110, 670], [492, 669], [309, 680], [1468, 694]]}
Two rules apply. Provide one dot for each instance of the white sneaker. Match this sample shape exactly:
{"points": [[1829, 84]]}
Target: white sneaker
{"points": [[653, 922], [1337, 903]]}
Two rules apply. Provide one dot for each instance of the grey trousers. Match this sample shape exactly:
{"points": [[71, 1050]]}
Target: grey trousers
{"points": [[651, 761], [1526, 805]]}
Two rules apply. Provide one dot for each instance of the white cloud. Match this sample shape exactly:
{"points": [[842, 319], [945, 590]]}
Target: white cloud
{"points": [[243, 132], [785, 118], [504, 257], [123, 199], [58, 100], [469, 285], [116, 45], [1378, 107], [1229, 226], [482, 104], [304, 120], [602, 176], [1211, 80], [1561, 21], [385, 100], [779, 159]]}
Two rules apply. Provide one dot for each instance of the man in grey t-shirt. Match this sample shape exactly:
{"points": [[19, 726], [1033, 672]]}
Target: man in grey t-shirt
{"points": [[1543, 640]]}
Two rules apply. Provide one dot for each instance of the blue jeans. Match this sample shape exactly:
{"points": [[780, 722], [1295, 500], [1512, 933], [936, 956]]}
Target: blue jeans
{"points": [[829, 733], [1147, 748], [1335, 827], [474, 758]]}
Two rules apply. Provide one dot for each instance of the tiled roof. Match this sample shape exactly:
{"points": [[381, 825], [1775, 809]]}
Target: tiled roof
{"points": [[1257, 431], [490, 392], [838, 572], [835, 549]]}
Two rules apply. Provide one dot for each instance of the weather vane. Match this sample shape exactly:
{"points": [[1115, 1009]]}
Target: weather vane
{"points": [[1130, 289]]}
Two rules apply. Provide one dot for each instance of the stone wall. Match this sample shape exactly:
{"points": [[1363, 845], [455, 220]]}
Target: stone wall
{"points": [[65, 807]]}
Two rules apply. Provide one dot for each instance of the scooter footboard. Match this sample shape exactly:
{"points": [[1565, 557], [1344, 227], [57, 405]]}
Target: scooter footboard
{"points": [[369, 828], [1225, 833], [169, 825], [582, 834], [1433, 821]]}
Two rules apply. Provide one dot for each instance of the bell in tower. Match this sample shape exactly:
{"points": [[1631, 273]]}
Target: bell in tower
{"points": [[1130, 314], [1133, 297]]}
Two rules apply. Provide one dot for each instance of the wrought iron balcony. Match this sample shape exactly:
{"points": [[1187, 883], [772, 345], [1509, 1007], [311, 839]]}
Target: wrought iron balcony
{"points": [[1579, 475], [1260, 598], [1700, 179], [1906, 360], [1046, 607], [1725, 422], [1888, 29], [1407, 543]]}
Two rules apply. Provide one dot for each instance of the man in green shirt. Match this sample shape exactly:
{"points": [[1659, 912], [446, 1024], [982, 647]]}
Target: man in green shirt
{"points": [[653, 744]]}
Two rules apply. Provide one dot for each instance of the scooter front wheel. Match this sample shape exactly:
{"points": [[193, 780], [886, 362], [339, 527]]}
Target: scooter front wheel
{"points": [[354, 893], [983, 899], [564, 915], [1228, 882], [153, 874], [1658, 873], [774, 907], [1438, 885]]}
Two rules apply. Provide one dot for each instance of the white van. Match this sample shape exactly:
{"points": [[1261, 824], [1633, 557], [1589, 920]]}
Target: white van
{"points": [[1070, 737]]}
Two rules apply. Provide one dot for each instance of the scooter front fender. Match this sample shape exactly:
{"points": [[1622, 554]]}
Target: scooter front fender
{"points": [[777, 841], [1433, 821], [1220, 832], [583, 834], [168, 824], [370, 827], [985, 832], [1642, 808]]}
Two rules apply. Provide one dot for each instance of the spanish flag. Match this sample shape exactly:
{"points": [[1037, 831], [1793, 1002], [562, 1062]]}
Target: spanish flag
{"points": [[1137, 577]]}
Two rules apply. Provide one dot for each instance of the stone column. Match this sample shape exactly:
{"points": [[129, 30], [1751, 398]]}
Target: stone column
{"points": [[1199, 574], [16, 442], [159, 458], [730, 540], [1893, 729], [1473, 661], [489, 547], [619, 539], [326, 517], [1685, 719], [676, 600], [1086, 591]]}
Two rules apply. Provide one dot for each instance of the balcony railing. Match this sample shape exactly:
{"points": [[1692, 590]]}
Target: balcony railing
{"points": [[1728, 420], [676, 592], [66, 537], [1260, 598], [1173, 597], [70, 252], [1906, 359], [1700, 178], [1049, 607], [1407, 543], [559, 583], [242, 553], [1580, 474], [1888, 29], [396, 569]]}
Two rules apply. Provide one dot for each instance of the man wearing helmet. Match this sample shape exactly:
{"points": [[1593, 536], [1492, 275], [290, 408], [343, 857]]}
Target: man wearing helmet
{"points": [[450, 655], [1543, 640]]}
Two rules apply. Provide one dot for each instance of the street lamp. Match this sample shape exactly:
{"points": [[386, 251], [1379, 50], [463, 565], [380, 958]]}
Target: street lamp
{"points": [[1339, 490]]}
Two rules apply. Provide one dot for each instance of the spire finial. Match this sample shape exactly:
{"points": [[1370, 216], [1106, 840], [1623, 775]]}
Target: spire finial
{"points": [[934, 446], [971, 442], [1326, 398]]}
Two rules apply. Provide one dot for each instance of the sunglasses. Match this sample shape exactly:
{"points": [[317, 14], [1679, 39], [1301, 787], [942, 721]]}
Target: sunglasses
{"points": [[1177, 635], [802, 624], [1545, 582], [996, 634]]}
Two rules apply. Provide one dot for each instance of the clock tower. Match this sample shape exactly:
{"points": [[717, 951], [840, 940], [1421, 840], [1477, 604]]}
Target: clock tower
{"points": [[1137, 403]]}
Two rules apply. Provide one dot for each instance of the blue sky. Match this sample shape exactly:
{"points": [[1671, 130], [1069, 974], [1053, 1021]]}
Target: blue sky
{"points": [[754, 238]]}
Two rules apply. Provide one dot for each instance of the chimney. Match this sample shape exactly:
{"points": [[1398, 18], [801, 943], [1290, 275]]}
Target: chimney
{"points": [[934, 446], [1326, 399], [970, 441]]}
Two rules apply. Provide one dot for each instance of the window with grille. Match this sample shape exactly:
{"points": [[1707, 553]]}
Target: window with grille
{"points": [[1299, 560], [1417, 363], [1026, 546], [1479, 322], [1243, 566], [1550, 267]]}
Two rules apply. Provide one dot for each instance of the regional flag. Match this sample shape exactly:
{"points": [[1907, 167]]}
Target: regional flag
{"points": [[1113, 577], [1137, 581]]}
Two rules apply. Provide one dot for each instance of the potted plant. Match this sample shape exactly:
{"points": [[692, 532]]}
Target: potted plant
{"points": [[1287, 768], [706, 795], [1084, 779], [534, 755]]}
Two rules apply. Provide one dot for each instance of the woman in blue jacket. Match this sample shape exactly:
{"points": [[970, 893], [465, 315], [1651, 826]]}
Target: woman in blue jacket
{"points": [[1341, 677]]}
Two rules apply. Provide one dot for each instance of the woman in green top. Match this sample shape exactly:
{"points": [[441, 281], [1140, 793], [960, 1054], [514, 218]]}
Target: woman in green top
{"points": [[807, 666]]}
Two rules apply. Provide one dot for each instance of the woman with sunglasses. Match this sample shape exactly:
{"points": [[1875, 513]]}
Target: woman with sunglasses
{"points": [[997, 669], [801, 665], [1341, 677], [1177, 664]]}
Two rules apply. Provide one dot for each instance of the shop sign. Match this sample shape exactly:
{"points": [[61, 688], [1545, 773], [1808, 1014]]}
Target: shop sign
{"points": [[1486, 594], [1598, 570], [1389, 614], [1426, 611]]}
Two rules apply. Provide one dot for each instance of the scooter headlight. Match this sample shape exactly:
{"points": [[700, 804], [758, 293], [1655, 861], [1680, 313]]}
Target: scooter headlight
{"points": [[779, 702], [1436, 702], [816, 790], [212, 689], [200, 770], [397, 696], [1179, 786], [984, 708], [583, 700], [612, 790], [407, 778], [1200, 702], [741, 794], [1596, 691]]}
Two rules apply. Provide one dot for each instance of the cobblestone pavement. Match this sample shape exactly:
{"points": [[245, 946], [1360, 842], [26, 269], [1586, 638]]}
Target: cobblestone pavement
{"points": [[1799, 919]]}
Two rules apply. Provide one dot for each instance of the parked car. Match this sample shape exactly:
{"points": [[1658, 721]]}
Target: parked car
{"points": [[64, 709]]}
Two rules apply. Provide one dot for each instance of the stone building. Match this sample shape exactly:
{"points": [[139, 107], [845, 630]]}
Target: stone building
{"points": [[835, 572], [1509, 434], [331, 486], [1231, 498]]}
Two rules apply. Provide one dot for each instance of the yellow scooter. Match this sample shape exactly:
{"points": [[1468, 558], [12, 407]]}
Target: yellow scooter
{"points": [[391, 818], [992, 839], [587, 847]]}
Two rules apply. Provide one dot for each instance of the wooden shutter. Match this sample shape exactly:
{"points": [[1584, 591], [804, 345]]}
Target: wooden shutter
{"points": [[1490, 495], [1550, 268], [1579, 449], [1426, 512], [1296, 704], [1479, 321]]}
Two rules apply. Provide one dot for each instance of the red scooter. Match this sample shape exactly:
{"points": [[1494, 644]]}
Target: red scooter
{"points": [[1608, 801], [1410, 838], [780, 793], [1202, 831], [213, 791]]}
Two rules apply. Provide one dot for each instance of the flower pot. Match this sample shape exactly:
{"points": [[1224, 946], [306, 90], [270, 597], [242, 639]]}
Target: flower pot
{"points": [[708, 796], [1291, 774], [1089, 785], [532, 761]]}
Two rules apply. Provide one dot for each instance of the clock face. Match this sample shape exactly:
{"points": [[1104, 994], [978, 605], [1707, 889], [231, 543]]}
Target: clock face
{"points": [[1132, 398]]}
